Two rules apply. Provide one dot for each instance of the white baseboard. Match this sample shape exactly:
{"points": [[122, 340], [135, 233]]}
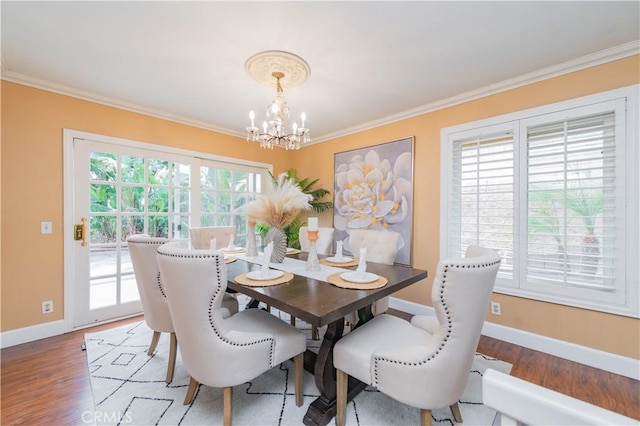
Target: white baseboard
{"points": [[613, 363], [29, 334]]}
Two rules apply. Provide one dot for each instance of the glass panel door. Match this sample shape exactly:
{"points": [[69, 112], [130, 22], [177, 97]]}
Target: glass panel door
{"points": [[122, 191]]}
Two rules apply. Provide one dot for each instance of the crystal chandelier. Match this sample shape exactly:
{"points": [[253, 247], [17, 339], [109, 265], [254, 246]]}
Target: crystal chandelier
{"points": [[275, 131]]}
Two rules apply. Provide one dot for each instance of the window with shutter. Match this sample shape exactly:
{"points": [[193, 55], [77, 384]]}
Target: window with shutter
{"points": [[571, 205], [554, 190], [482, 194]]}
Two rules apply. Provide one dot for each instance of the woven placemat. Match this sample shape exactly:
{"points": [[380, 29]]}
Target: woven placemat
{"points": [[352, 262], [336, 280], [230, 259], [292, 251], [242, 279]]}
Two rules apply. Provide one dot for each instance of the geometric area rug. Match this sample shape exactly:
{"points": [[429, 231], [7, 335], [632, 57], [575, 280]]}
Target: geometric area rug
{"points": [[129, 389]]}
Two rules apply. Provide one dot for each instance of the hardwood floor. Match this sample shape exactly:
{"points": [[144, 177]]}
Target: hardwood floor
{"points": [[47, 382]]}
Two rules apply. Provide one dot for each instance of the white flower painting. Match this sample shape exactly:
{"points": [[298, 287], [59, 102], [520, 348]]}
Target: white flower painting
{"points": [[374, 190]]}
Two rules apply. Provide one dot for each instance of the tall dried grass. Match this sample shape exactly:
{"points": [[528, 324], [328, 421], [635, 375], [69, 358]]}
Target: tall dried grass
{"points": [[280, 205]]}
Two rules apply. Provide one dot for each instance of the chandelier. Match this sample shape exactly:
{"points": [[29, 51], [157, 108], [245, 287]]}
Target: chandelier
{"points": [[275, 131]]}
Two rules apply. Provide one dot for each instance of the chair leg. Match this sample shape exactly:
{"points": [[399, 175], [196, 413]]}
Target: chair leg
{"points": [[173, 348], [455, 410], [298, 372], [341, 397], [154, 342], [425, 417], [191, 391], [227, 396], [314, 332]]}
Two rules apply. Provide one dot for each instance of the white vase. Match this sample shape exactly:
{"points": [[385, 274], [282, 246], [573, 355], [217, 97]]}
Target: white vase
{"points": [[279, 239]]}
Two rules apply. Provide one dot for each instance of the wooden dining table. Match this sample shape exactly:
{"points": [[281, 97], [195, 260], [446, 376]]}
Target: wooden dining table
{"points": [[320, 303]]}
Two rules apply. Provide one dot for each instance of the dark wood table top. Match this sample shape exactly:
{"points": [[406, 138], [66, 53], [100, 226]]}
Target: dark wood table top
{"points": [[320, 303]]}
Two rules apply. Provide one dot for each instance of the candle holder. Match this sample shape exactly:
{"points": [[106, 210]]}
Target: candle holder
{"points": [[313, 264], [252, 249]]}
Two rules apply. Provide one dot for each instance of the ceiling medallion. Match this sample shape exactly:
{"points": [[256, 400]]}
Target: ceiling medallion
{"points": [[286, 69], [261, 67]]}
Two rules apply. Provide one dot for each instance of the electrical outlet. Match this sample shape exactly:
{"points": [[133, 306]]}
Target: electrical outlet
{"points": [[47, 307], [495, 308]]}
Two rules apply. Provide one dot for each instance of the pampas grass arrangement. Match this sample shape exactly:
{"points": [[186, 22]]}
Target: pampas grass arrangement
{"points": [[280, 204]]}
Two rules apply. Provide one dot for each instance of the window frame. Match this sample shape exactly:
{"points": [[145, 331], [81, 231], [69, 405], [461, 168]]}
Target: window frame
{"points": [[624, 300], [254, 187]]}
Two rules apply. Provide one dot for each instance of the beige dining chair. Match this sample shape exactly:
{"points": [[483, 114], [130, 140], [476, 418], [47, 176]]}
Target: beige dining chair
{"points": [[142, 250], [201, 236], [424, 363], [382, 247], [217, 351], [324, 244]]}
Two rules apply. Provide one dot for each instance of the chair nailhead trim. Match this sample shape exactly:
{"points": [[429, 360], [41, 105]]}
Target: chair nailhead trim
{"points": [[156, 241], [217, 291], [160, 285], [449, 323], [149, 241]]}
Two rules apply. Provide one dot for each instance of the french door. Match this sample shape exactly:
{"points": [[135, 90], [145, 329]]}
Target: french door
{"points": [[115, 188], [120, 191]]}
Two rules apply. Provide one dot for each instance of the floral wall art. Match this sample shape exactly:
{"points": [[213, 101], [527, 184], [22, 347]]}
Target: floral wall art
{"points": [[374, 190]]}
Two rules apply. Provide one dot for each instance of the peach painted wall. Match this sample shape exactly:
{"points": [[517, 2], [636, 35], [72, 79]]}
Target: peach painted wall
{"points": [[611, 333], [32, 123], [32, 191]]}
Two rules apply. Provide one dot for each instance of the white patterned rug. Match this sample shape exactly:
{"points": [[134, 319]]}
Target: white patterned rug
{"points": [[129, 389]]}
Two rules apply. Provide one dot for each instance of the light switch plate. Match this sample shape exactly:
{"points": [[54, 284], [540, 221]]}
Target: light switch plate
{"points": [[46, 227]]}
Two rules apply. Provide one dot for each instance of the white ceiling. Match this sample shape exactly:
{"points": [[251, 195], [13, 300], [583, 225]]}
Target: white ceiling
{"points": [[371, 62]]}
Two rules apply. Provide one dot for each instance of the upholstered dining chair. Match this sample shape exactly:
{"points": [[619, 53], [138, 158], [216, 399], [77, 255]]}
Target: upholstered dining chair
{"points": [[424, 363], [217, 351], [201, 236], [324, 244], [382, 247], [142, 250]]}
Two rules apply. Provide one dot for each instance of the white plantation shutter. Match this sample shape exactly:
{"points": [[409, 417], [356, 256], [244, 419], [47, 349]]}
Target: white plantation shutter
{"points": [[571, 202], [482, 186], [555, 190]]}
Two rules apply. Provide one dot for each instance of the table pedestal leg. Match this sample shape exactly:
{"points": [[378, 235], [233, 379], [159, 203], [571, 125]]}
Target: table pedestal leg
{"points": [[323, 409], [253, 304]]}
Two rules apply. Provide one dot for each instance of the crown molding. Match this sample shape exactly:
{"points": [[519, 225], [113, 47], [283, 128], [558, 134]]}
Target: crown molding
{"points": [[112, 102], [588, 61]]}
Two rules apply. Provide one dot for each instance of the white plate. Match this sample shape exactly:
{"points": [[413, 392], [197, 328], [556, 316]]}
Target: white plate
{"points": [[343, 259], [355, 277], [235, 250], [271, 274]]}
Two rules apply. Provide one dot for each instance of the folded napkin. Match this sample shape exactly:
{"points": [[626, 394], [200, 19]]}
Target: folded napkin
{"points": [[339, 250], [361, 270], [232, 246], [213, 244], [264, 270]]}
